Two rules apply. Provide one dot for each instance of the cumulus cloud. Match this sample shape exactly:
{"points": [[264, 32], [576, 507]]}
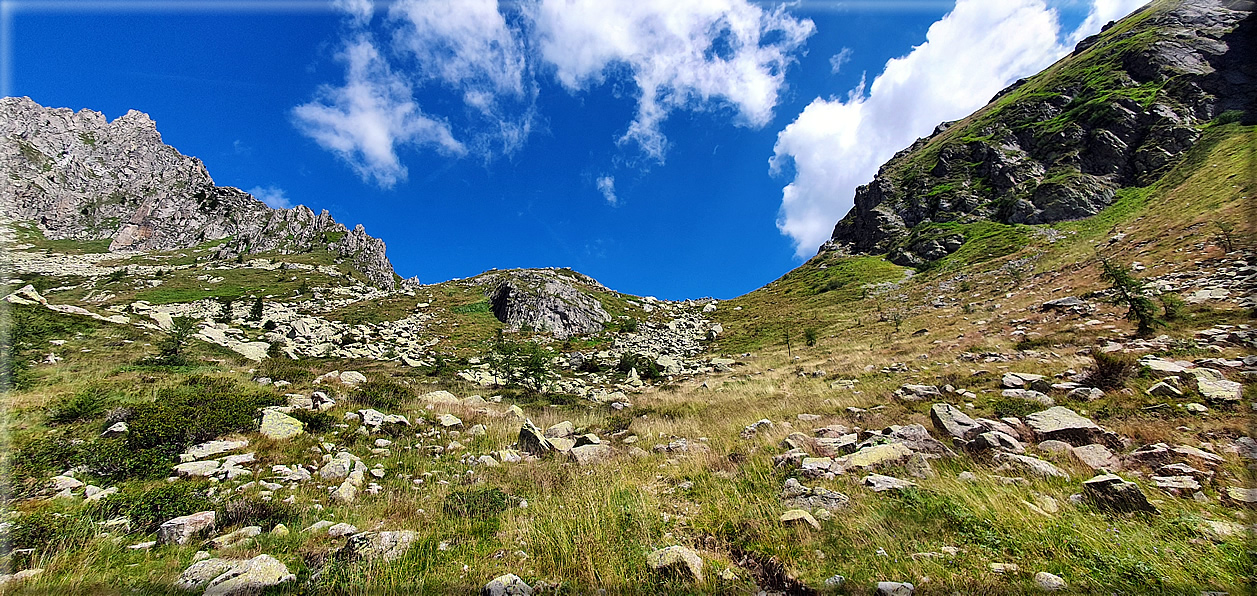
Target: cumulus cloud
{"points": [[606, 186], [680, 55], [365, 120], [715, 55], [359, 12], [468, 47], [273, 196], [837, 144], [837, 60]]}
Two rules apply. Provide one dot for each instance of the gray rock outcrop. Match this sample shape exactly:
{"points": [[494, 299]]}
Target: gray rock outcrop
{"points": [[79, 176], [546, 301]]}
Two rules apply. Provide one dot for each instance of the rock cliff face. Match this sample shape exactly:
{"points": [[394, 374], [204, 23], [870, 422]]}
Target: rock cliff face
{"points": [[547, 301], [1115, 113], [82, 177]]}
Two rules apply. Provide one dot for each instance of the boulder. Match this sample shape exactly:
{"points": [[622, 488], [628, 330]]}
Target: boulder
{"points": [[877, 456], [201, 572], [439, 398], [950, 421], [202, 469], [1098, 458], [561, 430], [1063, 424], [212, 448], [996, 441], [585, 455], [506, 585], [1049, 583], [384, 546], [895, 589], [352, 377], [799, 517], [250, 577], [879, 483], [1015, 380], [794, 494], [1029, 464], [1220, 391], [181, 530], [1240, 496], [278, 425], [548, 302], [916, 438], [677, 561], [1109, 491], [532, 440], [918, 392]]}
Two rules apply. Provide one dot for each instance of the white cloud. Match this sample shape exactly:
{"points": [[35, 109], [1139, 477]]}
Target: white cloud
{"points": [[461, 42], [836, 144], [273, 196], [468, 47], [681, 55], [606, 186], [837, 60], [359, 12], [370, 116]]}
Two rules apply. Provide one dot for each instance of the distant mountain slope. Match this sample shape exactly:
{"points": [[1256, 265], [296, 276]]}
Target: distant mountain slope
{"points": [[1117, 112], [81, 177]]}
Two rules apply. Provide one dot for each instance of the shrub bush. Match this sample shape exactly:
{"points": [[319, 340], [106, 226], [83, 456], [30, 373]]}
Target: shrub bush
{"points": [[315, 422], [200, 409], [33, 461], [476, 502], [256, 512], [383, 394], [88, 403], [46, 532], [1130, 291], [1173, 306], [1111, 371], [1015, 406], [114, 459], [287, 369], [149, 507], [647, 368]]}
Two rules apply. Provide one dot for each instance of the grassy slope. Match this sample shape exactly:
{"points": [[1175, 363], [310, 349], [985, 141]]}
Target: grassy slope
{"points": [[589, 528]]}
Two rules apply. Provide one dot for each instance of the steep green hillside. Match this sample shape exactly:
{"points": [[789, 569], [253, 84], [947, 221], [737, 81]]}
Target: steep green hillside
{"points": [[1115, 114]]}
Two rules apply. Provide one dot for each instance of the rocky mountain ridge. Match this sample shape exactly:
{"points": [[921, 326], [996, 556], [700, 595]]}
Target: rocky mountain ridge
{"points": [[1116, 113], [80, 176]]}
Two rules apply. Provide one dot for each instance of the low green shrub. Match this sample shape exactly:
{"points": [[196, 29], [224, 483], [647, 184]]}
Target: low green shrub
{"points": [[1014, 406], [476, 502], [200, 409], [383, 394], [115, 459], [647, 368], [44, 531], [256, 512], [286, 369], [149, 507], [88, 403], [315, 422]]}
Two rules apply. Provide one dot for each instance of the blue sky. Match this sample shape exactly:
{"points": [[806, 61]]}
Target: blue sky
{"points": [[675, 149]]}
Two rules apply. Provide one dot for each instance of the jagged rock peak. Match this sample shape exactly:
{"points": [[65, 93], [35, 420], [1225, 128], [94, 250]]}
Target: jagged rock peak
{"points": [[79, 176], [1117, 112]]}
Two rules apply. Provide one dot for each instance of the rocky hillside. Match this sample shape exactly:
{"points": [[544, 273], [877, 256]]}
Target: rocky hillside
{"points": [[1116, 113], [82, 177]]}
